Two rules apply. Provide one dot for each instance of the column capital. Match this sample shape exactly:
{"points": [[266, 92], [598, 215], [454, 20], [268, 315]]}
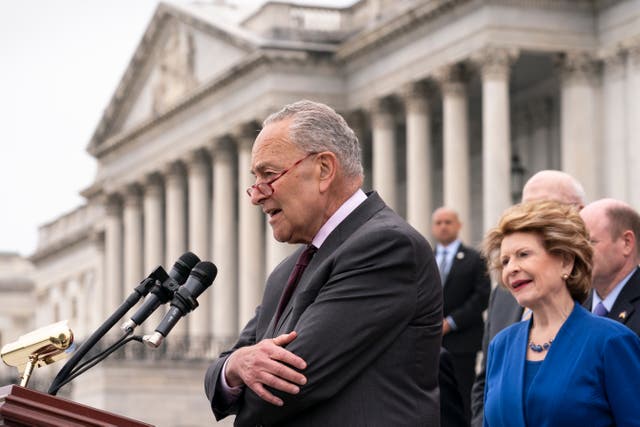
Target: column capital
{"points": [[245, 134], [197, 160], [153, 184], [174, 170], [495, 62], [113, 204], [578, 67], [382, 111], [614, 62], [222, 148], [416, 96], [452, 79], [632, 47], [132, 195]]}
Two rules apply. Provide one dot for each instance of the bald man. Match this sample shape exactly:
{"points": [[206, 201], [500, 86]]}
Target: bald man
{"points": [[503, 308], [614, 227], [465, 294]]}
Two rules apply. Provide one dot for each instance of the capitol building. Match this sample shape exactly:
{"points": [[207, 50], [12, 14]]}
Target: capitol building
{"points": [[455, 102]]}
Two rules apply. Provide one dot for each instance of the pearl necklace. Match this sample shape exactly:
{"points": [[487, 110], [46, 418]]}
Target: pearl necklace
{"points": [[539, 348]]}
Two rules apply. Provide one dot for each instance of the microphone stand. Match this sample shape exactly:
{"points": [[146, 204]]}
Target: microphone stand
{"points": [[159, 274]]}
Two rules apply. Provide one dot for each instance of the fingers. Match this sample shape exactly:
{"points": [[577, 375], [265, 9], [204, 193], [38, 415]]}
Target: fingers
{"points": [[267, 364]]}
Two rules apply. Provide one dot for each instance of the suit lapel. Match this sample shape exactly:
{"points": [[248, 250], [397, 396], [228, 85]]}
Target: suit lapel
{"points": [[457, 259], [623, 307], [346, 228]]}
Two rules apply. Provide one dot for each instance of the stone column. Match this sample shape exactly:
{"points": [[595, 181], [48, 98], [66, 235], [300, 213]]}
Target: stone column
{"points": [[113, 254], [176, 226], [225, 193], [199, 233], [153, 235], [384, 151], [419, 157], [614, 153], [495, 67], [580, 121], [133, 250], [251, 252], [359, 123], [456, 163], [633, 121]]}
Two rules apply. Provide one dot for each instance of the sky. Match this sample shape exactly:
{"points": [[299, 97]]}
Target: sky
{"points": [[60, 62]]}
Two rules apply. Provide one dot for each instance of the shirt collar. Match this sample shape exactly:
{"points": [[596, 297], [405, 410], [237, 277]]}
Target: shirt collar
{"points": [[613, 295], [451, 248], [338, 216]]}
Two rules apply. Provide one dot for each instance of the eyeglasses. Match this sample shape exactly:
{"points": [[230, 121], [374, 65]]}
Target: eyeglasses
{"points": [[266, 188]]}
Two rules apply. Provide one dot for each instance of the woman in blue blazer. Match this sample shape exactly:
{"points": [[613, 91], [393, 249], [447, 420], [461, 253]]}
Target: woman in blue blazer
{"points": [[564, 366]]}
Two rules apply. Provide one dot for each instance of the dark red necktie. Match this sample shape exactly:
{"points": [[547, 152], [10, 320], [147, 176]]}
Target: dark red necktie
{"points": [[294, 278]]}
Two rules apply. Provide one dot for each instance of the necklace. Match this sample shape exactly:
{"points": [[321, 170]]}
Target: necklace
{"points": [[539, 348]]}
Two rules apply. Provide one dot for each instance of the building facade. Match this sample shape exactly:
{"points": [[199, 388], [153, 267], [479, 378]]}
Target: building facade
{"points": [[455, 102]]}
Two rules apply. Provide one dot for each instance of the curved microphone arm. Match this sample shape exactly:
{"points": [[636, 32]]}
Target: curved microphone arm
{"points": [[140, 291]]}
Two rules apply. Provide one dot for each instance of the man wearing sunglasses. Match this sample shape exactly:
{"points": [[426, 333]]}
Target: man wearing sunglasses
{"points": [[349, 328]]}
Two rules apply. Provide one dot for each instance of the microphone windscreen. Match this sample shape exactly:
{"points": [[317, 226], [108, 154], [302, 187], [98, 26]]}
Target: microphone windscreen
{"points": [[183, 266]]}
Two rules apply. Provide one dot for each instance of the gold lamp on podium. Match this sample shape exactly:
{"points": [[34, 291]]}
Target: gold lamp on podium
{"points": [[41, 347]]}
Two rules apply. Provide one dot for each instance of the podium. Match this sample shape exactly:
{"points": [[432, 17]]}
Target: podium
{"points": [[23, 407]]}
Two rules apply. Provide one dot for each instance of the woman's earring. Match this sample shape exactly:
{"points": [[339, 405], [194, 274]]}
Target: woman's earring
{"points": [[565, 276]]}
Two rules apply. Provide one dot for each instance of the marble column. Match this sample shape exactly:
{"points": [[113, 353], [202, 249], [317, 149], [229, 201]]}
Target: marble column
{"points": [[199, 231], [359, 123], [251, 254], [153, 207], [495, 67], [419, 157], [113, 255], [633, 121], [614, 101], [580, 121], [384, 151], [225, 193], [455, 141], [176, 225], [133, 249]]}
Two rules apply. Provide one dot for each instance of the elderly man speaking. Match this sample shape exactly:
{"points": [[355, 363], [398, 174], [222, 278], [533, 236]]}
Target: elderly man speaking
{"points": [[348, 331]]}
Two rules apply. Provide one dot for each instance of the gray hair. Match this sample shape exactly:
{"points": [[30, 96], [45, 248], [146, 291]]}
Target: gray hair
{"points": [[316, 127]]}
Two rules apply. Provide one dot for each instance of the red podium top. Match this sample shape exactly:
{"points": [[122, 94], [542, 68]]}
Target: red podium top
{"points": [[23, 407]]}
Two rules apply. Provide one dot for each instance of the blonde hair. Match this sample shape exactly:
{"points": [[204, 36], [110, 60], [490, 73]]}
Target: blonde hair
{"points": [[562, 231]]}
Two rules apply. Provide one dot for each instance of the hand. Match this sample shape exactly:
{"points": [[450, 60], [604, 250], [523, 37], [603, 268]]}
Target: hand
{"points": [[446, 327], [267, 364]]}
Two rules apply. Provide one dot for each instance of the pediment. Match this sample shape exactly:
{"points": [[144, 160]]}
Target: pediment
{"points": [[182, 49]]}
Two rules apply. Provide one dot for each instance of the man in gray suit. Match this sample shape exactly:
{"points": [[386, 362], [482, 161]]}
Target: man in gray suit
{"points": [[358, 340], [503, 308]]}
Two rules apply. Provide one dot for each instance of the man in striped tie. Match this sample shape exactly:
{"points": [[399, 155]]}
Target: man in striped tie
{"points": [[614, 228]]}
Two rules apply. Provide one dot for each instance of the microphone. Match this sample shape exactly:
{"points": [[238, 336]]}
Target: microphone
{"points": [[163, 290], [184, 301]]}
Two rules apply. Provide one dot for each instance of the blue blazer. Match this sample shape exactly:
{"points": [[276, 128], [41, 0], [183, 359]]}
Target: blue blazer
{"points": [[590, 376]]}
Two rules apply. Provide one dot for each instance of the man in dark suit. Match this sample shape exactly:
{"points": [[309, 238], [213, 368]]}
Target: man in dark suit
{"points": [[503, 309], [614, 227], [466, 288], [358, 341]]}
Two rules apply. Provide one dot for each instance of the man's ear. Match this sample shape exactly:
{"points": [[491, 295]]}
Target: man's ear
{"points": [[328, 169], [629, 239]]}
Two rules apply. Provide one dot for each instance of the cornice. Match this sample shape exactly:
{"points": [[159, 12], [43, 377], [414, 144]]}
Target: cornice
{"points": [[368, 39]]}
